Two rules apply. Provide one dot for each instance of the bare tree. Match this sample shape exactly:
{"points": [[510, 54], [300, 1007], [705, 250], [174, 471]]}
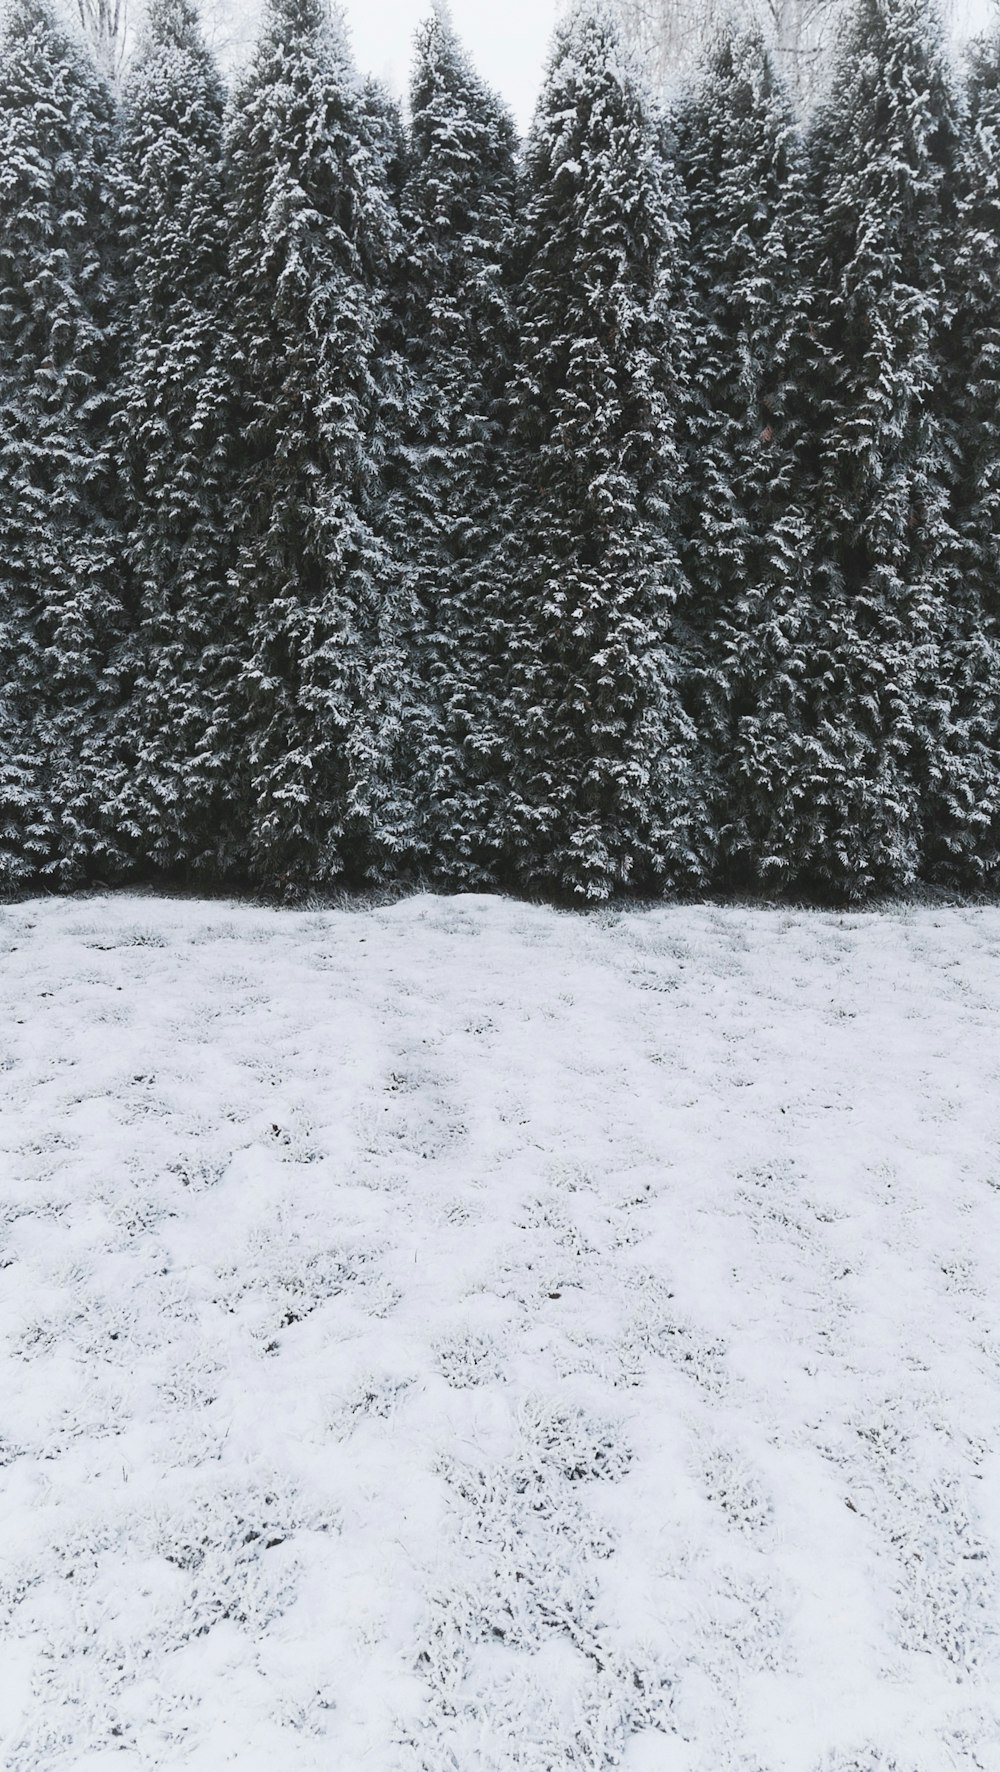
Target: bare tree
{"points": [[670, 34], [230, 30], [106, 24], [667, 33], [111, 25], [800, 31]]}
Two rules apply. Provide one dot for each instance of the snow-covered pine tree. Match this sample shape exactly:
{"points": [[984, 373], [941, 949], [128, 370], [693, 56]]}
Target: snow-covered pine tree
{"points": [[747, 531], [962, 791], [179, 768], [387, 134], [62, 616], [312, 238], [449, 505], [885, 142], [391, 815], [599, 746]]}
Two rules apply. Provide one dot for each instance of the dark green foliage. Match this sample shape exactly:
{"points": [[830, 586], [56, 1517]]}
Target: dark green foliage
{"points": [[748, 542], [312, 237], [450, 508], [371, 506], [599, 746], [885, 144], [179, 775], [62, 617], [962, 792]]}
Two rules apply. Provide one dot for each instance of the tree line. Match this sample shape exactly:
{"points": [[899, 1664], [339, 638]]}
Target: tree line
{"points": [[380, 500]]}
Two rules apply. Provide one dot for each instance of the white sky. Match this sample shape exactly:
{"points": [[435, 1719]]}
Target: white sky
{"points": [[507, 40]]}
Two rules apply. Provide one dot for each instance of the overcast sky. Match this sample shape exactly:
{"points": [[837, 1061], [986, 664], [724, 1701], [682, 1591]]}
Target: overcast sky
{"points": [[507, 39]]}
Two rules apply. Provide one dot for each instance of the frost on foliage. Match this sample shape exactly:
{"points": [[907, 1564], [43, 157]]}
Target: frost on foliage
{"points": [[139, 1582], [449, 511], [962, 794], [312, 242], [747, 529], [884, 146], [598, 744], [178, 773], [378, 505], [943, 1580], [527, 1635], [62, 617]]}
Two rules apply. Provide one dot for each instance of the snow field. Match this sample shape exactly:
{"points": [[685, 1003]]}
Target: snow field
{"points": [[457, 1337]]}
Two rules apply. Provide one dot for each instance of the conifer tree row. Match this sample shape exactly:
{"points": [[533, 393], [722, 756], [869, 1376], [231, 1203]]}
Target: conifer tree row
{"points": [[378, 501]]}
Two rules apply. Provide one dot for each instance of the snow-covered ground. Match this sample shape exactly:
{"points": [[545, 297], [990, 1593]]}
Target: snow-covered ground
{"points": [[457, 1337]]}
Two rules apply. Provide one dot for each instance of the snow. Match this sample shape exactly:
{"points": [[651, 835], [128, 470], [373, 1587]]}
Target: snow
{"points": [[459, 1335]]}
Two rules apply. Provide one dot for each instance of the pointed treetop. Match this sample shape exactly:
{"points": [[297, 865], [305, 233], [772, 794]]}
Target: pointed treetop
{"points": [[891, 80], [441, 16], [873, 27], [589, 26], [436, 38], [442, 66], [592, 82], [306, 18], [54, 38], [173, 24], [734, 42], [739, 57], [437, 44], [589, 51]]}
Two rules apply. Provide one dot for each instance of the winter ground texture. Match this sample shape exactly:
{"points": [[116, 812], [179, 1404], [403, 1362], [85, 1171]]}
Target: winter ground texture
{"points": [[458, 1337]]}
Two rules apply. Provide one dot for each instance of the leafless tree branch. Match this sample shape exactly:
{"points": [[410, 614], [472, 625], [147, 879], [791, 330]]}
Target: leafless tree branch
{"points": [[106, 24]]}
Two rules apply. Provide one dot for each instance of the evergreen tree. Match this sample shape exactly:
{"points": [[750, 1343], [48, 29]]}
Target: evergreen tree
{"points": [[312, 244], [599, 746], [747, 533], [885, 143], [387, 135], [962, 797], [449, 508], [180, 773], [62, 616]]}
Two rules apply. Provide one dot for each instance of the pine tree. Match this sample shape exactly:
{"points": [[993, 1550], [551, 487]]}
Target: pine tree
{"points": [[748, 540], [962, 793], [885, 142], [449, 509], [62, 614], [387, 136], [180, 771], [312, 242], [599, 746]]}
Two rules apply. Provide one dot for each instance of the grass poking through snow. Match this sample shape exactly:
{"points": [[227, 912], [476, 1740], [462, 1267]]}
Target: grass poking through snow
{"points": [[456, 1337]]}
